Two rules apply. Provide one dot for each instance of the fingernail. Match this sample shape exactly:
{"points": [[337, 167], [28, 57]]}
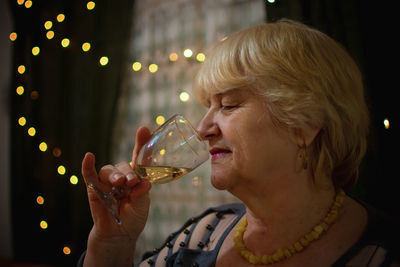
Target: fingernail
{"points": [[130, 176], [117, 176]]}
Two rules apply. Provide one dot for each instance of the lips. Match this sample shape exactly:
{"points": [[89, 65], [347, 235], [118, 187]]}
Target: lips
{"points": [[218, 152]]}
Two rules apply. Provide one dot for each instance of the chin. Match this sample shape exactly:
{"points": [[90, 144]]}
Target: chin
{"points": [[220, 182]]}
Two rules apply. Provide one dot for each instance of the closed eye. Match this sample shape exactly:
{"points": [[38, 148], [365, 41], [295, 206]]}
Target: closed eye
{"points": [[227, 108]]}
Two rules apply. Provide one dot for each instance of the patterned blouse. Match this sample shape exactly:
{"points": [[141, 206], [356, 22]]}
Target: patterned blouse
{"points": [[197, 244]]}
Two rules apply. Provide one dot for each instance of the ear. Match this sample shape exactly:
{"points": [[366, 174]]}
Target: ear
{"points": [[306, 136]]}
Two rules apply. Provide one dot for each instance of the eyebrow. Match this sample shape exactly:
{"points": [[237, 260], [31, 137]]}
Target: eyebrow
{"points": [[229, 91]]}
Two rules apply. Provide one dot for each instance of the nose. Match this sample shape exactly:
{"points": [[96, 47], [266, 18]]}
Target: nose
{"points": [[208, 128]]}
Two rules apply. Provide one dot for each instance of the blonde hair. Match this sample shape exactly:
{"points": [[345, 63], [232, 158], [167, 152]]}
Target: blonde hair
{"points": [[308, 81]]}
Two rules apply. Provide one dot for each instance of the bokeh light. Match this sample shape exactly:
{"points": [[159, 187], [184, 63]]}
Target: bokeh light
{"points": [[48, 24], [386, 123], [184, 96], [153, 68], [22, 121], [28, 4], [103, 61], [35, 51], [21, 69], [34, 95], [56, 152], [66, 250], [61, 170], [44, 225], [136, 66], [65, 42], [50, 35], [20, 90], [90, 5], [86, 46], [173, 57], [188, 53], [60, 17], [13, 36], [73, 179], [162, 152], [200, 57], [32, 131], [160, 120], [40, 200], [43, 146]]}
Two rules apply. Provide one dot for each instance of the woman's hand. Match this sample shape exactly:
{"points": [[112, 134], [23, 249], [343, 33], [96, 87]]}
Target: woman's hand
{"points": [[109, 242]]}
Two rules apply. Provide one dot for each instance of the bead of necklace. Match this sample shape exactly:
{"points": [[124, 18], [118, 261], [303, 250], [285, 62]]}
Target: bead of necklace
{"points": [[298, 246]]}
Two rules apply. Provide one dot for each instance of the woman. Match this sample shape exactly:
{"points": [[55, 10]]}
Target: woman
{"points": [[286, 125]]}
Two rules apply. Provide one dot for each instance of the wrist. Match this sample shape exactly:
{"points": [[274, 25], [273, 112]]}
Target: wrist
{"points": [[117, 252]]}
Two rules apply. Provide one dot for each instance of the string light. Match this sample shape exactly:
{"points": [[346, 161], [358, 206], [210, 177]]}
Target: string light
{"points": [[20, 90], [90, 5], [13, 36], [32, 131], [136, 66], [50, 35], [160, 120], [35, 51], [60, 17], [73, 179], [48, 24], [21, 69], [28, 4], [173, 57], [44, 225], [40, 200], [34, 95], [86, 47], [22, 121], [56, 152], [200, 57], [187, 53], [65, 42], [103, 61], [43, 146], [66, 250], [386, 123], [184, 96], [153, 68], [61, 170]]}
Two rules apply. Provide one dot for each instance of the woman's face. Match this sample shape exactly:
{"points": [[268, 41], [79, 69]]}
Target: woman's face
{"points": [[247, 150]]}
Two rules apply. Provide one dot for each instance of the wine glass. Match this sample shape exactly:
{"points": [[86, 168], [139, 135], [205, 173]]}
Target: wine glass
{"points": [[174, 150]]}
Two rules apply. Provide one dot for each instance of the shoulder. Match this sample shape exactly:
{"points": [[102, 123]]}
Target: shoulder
{"points": [[198, 234], [382, 229], [378, 245]]}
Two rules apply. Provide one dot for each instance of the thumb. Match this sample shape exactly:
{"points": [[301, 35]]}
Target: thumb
{"points": [[142, 136]]}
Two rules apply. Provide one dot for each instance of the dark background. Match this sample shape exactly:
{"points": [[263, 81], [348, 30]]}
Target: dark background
{"points": [[77, 105]]}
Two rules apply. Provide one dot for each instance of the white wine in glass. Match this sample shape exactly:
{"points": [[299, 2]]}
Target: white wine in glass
{"points": [[174, 150]]}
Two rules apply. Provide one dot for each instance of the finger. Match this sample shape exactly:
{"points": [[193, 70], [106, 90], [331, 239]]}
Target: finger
{"points": [[89, 172], [142, 136], [111, 175], [140, 189], [127, 170]]}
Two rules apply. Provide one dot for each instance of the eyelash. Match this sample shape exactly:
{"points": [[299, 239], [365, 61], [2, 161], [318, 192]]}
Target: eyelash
{"points": [[228, 107]]}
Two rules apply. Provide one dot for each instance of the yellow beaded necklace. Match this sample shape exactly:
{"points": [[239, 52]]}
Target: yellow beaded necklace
{"points": [[298, 246]]}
